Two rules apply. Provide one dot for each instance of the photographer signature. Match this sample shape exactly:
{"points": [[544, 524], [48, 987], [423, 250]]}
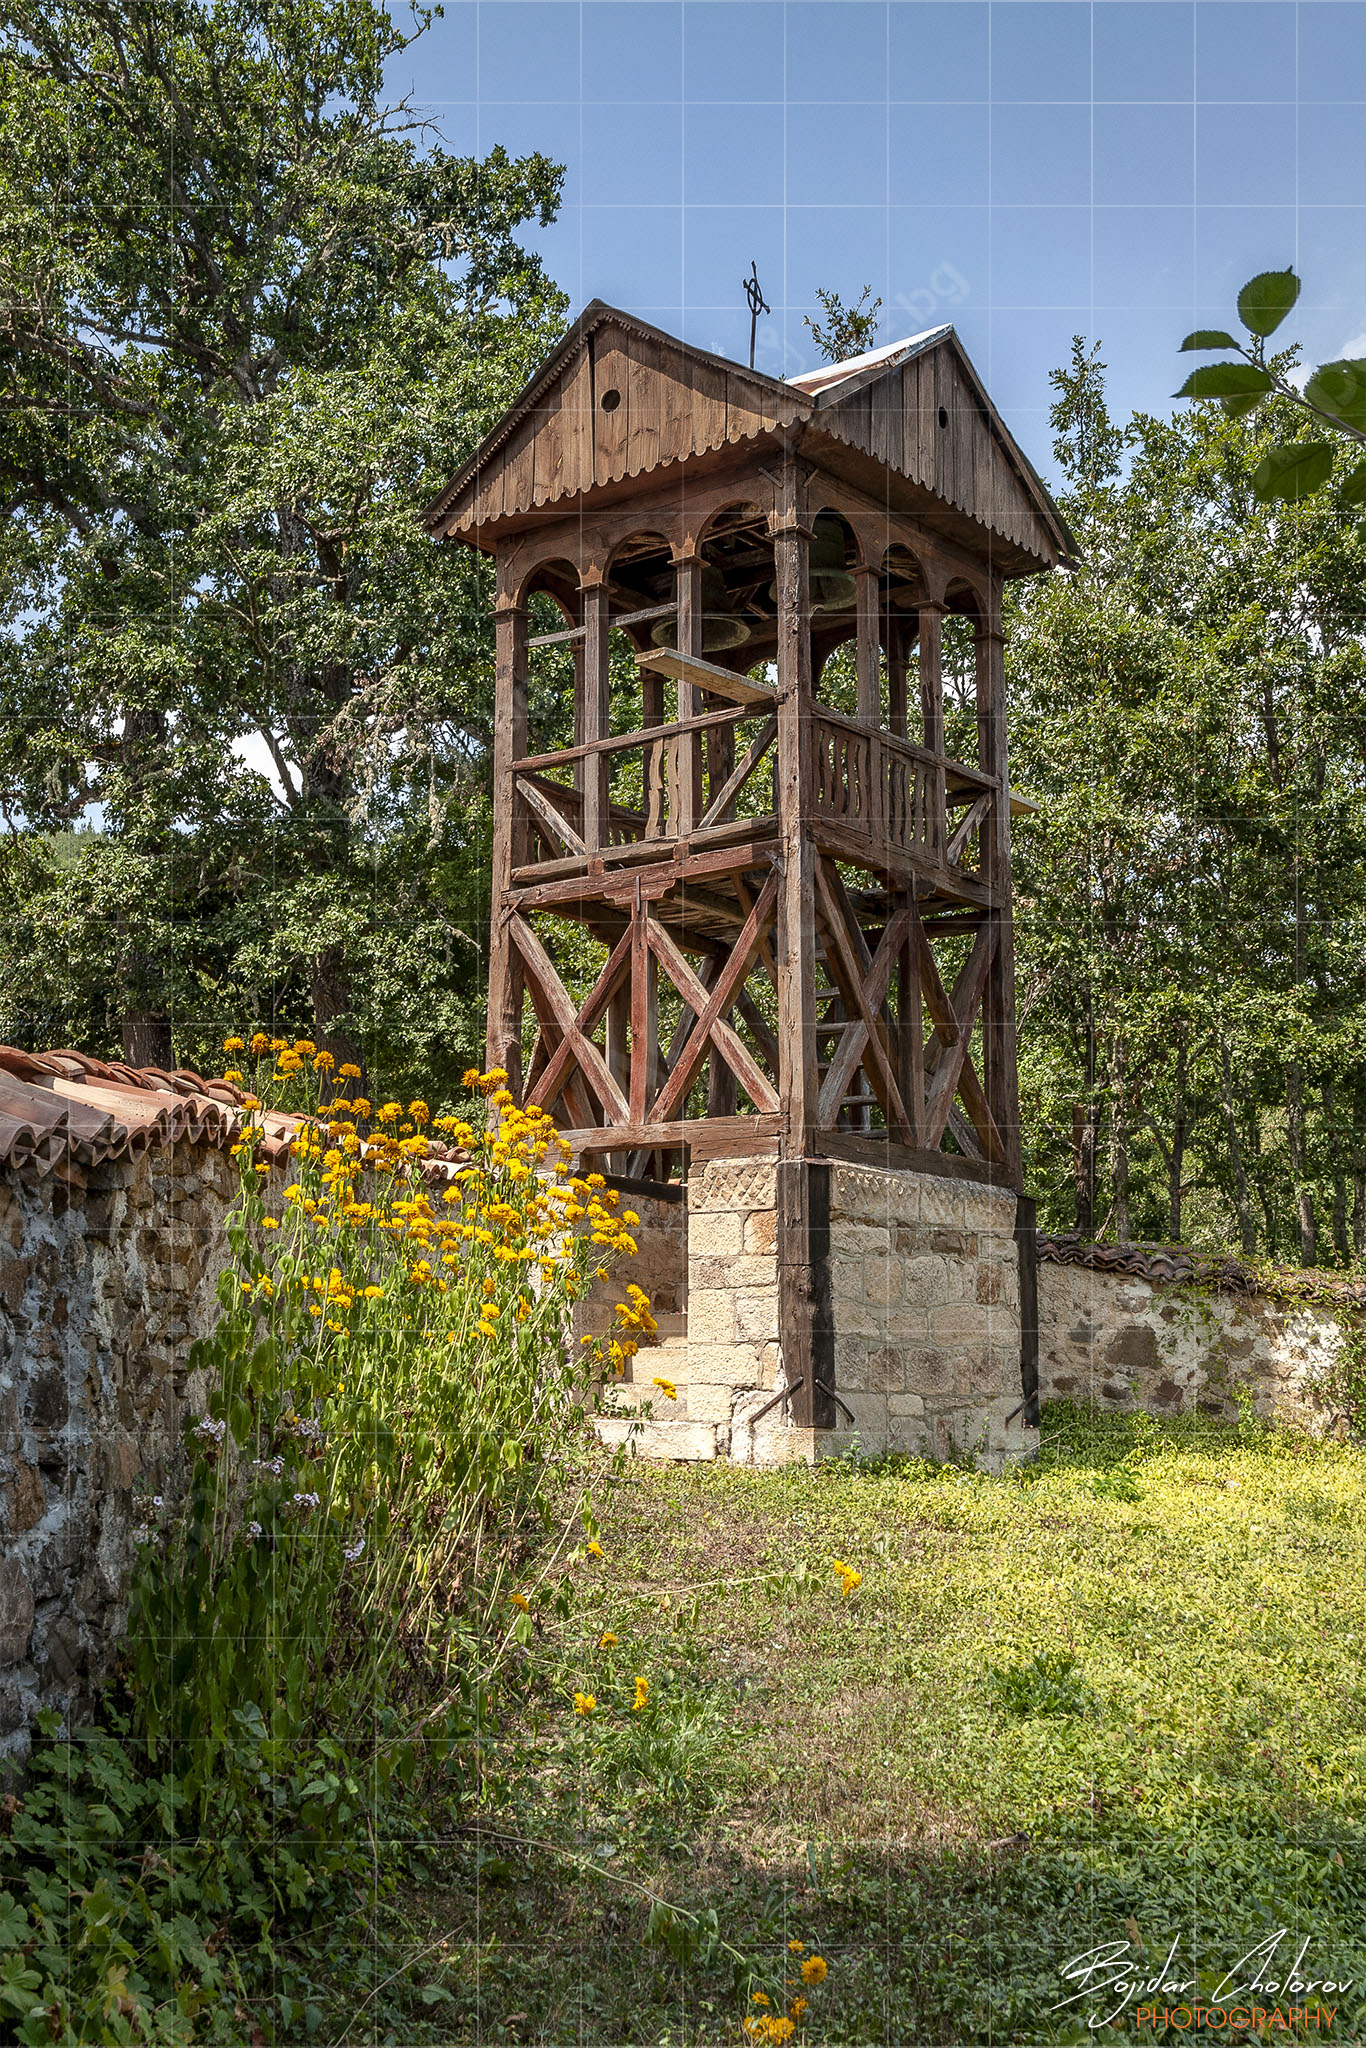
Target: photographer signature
{"points": [[1107, 1979]]}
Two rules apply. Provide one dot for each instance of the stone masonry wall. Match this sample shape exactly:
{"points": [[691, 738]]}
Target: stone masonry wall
{"points": [[734, 1356], [925, 1277], [1120, 1343], [102, 1290]]}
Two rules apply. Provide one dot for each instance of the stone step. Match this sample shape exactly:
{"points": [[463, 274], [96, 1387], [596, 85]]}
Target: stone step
{"points": [[671, 1324], [683, 1442]]}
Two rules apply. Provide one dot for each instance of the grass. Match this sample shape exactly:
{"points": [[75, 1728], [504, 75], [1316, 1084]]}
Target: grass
{"points": [[1113, 1697]]}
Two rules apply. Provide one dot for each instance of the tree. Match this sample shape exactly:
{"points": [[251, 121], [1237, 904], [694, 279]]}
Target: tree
{"points": [[1188, 709], [1335, 394], [252, 315], [850, 329]]}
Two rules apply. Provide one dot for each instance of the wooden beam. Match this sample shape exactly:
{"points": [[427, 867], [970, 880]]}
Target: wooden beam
{"points": [[503, 1042], [706, 675], [865, 1040], [745, 767], [868, 646], [967, 997], [541, 805], [541, 971], [704, 1138], [711, 1010], [798, 1075], [597, 685], [625, 742]]}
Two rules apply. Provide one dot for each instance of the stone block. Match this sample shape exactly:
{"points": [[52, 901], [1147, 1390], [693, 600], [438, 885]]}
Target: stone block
{"points": [[926, 1282], [711, 1316], [690, 1443], [931, 1374], [963, 1325], [708, 1403], [882, 1280], [904, 1407], [723, 1365], [761, 1231], [715, 1233], [743, 1269], [756, 1316], [16, 1612]]}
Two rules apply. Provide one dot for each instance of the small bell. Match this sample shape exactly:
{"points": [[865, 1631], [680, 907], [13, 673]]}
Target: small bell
{"points": [[720, 626]]}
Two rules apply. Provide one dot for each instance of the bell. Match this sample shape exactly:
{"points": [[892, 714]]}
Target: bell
{"points": [[832, 587], [720, 626]]}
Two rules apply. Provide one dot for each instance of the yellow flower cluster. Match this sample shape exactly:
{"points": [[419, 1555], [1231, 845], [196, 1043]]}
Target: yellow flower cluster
{"points": [[849, 1579], [642, 1698], [584, 1702], [769, 2026]]}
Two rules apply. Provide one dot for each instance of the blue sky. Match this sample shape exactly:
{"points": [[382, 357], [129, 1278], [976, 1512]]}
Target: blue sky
{"points": [[1028, 169]]}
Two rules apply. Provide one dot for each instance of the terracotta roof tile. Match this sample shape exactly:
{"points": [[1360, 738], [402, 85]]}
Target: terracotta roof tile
{"points": [[1171, 1265], [63, 1112]]}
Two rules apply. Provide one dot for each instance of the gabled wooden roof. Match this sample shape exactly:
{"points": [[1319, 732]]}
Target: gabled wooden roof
{"points": [[619, 399]]}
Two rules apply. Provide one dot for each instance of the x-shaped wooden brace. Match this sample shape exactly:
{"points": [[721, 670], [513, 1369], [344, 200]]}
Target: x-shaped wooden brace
{"points": [[863, 985], [712, 1007], [953, 1019], [553, 1006]]}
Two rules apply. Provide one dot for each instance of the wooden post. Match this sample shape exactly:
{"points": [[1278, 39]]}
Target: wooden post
{"points": [[798, 1079], [869, 646], [896, 676], [998, 1003], [596, 696], [932, 720], [503, 1045], [685, 807]]}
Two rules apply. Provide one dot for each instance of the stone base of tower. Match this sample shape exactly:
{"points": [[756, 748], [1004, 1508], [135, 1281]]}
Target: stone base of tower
{"points": [[918, 1300]]}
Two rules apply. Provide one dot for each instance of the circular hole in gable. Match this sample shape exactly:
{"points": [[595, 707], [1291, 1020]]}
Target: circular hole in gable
{"points": [[611, 400]]}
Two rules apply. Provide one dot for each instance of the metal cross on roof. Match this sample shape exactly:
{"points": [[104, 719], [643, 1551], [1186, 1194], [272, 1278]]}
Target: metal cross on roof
{"points": [[757, 305]]}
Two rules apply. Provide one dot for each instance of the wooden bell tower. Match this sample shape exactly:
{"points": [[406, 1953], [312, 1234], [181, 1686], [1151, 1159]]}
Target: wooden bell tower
{"points": [[789, 847]]}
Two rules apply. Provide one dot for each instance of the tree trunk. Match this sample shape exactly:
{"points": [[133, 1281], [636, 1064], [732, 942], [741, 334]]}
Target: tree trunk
{"points": [[1235, 1153], [1304, 1194], [1120, 1139], [1330, 1120], [331, 1001], [147, 1042], [1176, 1158], [1085, 1127]]}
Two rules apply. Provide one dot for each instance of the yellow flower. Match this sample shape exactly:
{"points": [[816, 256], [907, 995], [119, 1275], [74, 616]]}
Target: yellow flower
{"points": [[348, 1072], [849, 1579], [666, 1387], [798, 1948], [360, 1105], [305, 1048], [234, 1075], [607, 1641], [595, 1548], [270, 1223], [373, 1293], [798, 2005], [814, 1970], [584, 1702], [470, 1078], [519, 1600], [390, 1112], [761, 1998], [323, 1063], [642, 1698], [233, 1045], [419, 1112], [259, 1043]]}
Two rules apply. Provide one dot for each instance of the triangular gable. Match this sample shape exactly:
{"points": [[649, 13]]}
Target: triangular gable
{"points": [[616, 399]]}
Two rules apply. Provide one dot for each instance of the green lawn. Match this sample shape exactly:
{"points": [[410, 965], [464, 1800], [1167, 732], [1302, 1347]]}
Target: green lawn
{"points": [[1114, 1697]]}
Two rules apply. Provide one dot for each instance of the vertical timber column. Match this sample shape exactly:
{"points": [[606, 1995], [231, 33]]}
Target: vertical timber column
{"points": [[932, 719], [896, 676], [869, 646], [686, 804], [511, 847], [594, 717], [998, 1003], [803, 1182]]}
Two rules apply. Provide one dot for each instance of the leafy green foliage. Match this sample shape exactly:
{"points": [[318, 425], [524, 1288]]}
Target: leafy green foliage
{"points": [[1050, 1683], [230, 642], [1186, 708], [1334, 394], [849, 330]]}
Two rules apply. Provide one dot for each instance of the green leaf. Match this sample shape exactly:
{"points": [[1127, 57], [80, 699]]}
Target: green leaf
{"points": [[1209, 337], [1340, 388], [1265, 300], [1226, 380], [1353, 486], [1236, 407], [14, 1926], [1293, 471]]}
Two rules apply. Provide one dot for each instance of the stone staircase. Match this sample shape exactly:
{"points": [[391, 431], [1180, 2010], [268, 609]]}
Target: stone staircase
{"points": [[667, 1431]]}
